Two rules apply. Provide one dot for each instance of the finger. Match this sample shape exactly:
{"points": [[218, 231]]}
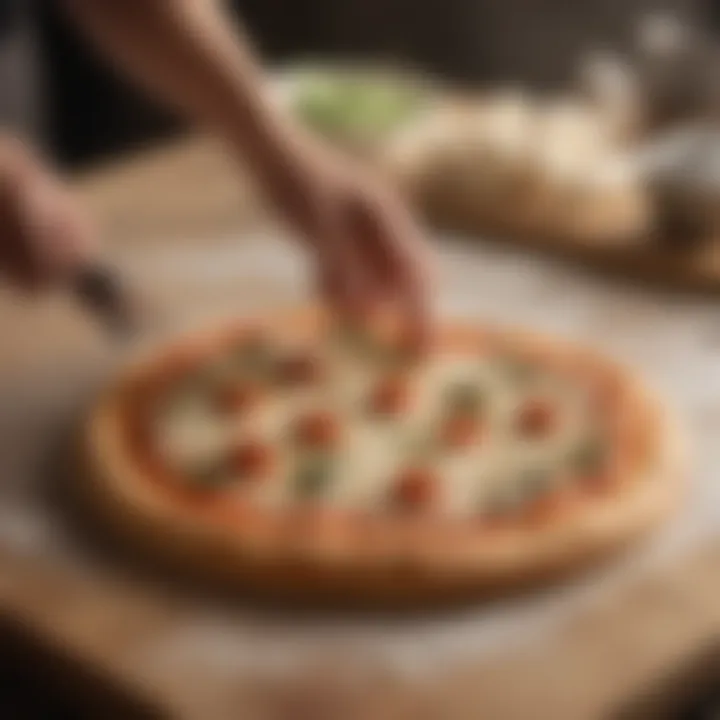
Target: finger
{"points": [[395, 248], [343, 276], [415, 280]]}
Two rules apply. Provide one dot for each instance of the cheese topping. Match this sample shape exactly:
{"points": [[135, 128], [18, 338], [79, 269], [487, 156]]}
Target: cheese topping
{"points": [[477, 433]]}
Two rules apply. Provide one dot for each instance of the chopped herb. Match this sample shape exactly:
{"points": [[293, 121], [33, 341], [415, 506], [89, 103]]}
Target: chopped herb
{"points": [[420, 446], [213, 372], [517, 369], [399, 354], [464, 397], [534, 482], [208, 475], [588, 457], [502, 501], [254, 356], [189, 392], [352, 336], [394, 353], [312, 477]]}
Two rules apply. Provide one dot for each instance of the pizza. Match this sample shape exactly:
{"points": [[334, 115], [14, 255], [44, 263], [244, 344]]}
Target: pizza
{"points": [[315, 459]]}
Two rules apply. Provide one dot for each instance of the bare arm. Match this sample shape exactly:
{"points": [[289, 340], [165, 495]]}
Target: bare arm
{"points": [[188, 53]]}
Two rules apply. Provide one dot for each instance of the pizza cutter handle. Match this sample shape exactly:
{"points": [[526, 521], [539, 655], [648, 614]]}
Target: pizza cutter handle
{"points": [[100, 288]]}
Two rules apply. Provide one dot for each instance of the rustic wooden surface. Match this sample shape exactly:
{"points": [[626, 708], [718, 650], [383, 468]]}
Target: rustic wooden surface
{"points": [[611, 658]]}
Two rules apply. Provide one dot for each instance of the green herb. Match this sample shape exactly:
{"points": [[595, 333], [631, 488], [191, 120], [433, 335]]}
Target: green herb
{"points": [[501, 502], [351, 335], [464, 397], [312, 477], [253, 356], [534, 482], [588, 457], [419, 447], [517, 369], [208, 474]]}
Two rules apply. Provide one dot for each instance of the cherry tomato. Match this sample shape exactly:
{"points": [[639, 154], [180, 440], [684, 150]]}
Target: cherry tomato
{"points": [[416, 488], [390, 396], [236, 398], [252, 459], [536, 419], [319, 430]]}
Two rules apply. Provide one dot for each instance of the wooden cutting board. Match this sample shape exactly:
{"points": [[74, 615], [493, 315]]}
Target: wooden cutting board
{"points": [[180, 223]]}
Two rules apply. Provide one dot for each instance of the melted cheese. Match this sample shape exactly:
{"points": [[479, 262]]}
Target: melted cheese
{"points": [[375, 449]]}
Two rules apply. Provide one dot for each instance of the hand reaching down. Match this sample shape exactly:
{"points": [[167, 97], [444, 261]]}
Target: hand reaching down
{"points": [[369, 251]]}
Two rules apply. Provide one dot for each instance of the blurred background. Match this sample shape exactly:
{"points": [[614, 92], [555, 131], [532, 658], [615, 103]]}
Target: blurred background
{"points": [[68, 100]]}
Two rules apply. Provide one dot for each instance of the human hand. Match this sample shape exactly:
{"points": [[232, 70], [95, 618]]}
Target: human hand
{"points": [[45, 237], [369, 251]]}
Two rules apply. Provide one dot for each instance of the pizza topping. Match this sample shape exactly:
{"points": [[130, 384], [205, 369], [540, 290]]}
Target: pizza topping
{"points": [[206, 474], [597, 483], [461, 426], [319, 430], [588, 458], [525, 493], [536, 419], [464, 398], [379, 341], [254, 353], [313, 476], [416, 488], [516, 369], [460, 430], [354, 337], [534, 483], [606, 393], [545, 507], [589, 463], [391, 396], [191, 384], [236, 397], [404, 350], [252, 460], [419, 446], [183, 363], [443, 413], [300, 369], [502, 502]]}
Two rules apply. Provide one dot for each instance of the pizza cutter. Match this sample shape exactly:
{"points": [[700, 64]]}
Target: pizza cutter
{"points": [[101, 289]]}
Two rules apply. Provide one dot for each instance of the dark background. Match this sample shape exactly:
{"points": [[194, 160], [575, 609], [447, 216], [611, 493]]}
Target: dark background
{"points": [[74, 105]]}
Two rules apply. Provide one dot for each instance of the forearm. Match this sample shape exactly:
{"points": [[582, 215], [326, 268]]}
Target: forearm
{"points": [[187, 53]]}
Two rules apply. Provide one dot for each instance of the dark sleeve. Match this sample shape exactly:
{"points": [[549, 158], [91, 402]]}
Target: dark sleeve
{"points": [[9, 14], [710, 15]]}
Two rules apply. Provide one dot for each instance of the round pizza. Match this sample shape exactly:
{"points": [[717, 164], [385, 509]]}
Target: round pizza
{"points": [[316, 459]]}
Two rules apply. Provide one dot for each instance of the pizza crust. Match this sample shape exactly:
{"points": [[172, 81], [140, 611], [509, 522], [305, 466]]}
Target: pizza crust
{"points": [[324, 555]]}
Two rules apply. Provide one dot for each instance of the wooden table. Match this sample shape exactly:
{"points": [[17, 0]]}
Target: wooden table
{"points": [[621, 655]]}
